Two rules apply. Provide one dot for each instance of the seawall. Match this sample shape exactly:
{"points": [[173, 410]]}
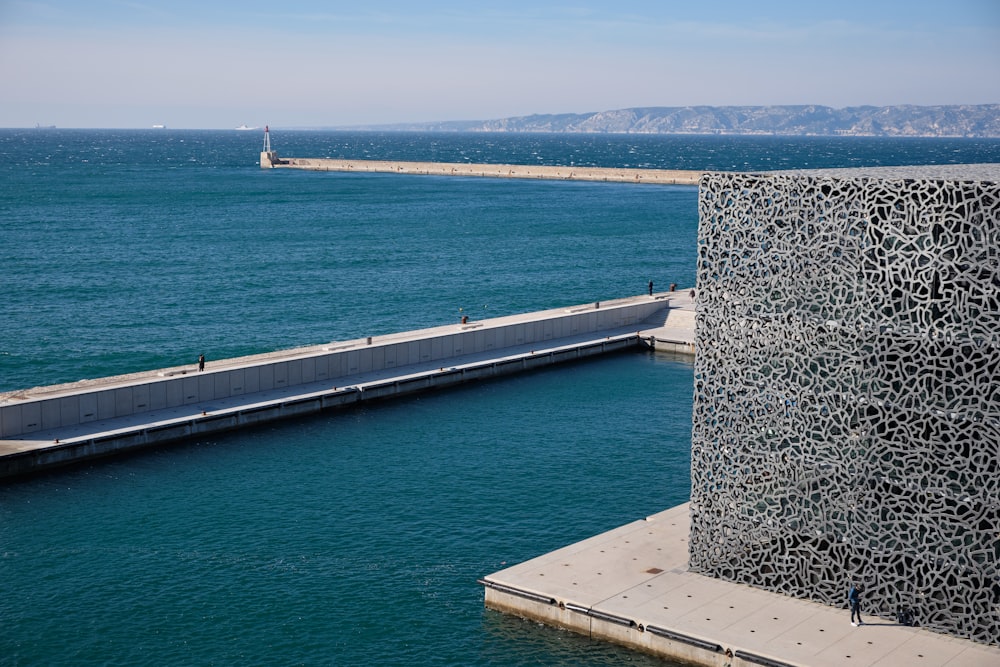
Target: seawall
{"points": [[57, 425], [270, 160]]}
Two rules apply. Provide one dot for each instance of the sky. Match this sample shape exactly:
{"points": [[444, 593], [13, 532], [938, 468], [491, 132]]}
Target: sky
{"points": [[311, 63]]}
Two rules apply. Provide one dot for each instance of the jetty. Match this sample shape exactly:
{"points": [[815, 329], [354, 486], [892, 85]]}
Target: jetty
{"points": [[538, 172], [631, 586], [57, 425], [269, 159]]}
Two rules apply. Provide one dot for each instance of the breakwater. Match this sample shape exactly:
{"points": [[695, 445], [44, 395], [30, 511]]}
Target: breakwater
{"points": [[270, 160], [51, 426]]}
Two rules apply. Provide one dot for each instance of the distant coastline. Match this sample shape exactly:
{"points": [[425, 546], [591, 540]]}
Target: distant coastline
{"points": [[964, 120]]}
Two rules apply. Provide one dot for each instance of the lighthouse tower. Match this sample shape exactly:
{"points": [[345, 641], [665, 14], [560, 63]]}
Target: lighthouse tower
{"points": [[268, 158]]}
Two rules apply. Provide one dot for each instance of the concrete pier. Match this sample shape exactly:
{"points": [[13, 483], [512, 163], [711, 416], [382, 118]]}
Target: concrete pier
{"points": [[631, 586], [57, 425], [270, 160]]}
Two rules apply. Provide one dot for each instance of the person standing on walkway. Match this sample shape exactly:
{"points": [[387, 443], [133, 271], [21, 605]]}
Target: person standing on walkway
{"points": [[201, 362], [650, 288], [854, 599]]}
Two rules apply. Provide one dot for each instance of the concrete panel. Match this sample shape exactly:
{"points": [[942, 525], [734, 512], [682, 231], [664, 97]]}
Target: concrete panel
{"points": [[259, 415], [11, 424], [353, 362], [365, 360], [214, 424], [88, 407], [50, 414], [293, 370], [175, 392], [378, 358], [573, 324], [537, 362], [266, 377], [31, 417], [389, 352], [251, 379], [69, 410], [550, 614], [613, 317], [123, 401], [157, 395], [237, 385], [458, 344], [190, 390], [490, 338], [500, 338], [321, 368], [436, 348], [425, 350], [280, 374], [559, 325], [511, 335], [206, 386], [308, 372], [412, 353], [303, 407], [473, 342], [338, 365], [447, 346], [140, 398], [547, 330], [221, 384], [105, 404], [168, 433]]}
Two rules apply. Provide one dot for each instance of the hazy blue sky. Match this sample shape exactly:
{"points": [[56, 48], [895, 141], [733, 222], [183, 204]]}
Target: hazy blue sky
{"points": [[217, 64]]}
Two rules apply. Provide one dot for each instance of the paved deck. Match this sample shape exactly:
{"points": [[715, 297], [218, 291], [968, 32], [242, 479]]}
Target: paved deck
{"points": [[631, 586], [674, 330]]}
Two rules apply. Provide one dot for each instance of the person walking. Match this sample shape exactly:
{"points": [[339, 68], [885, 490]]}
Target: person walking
{"points": [[854, 599]]}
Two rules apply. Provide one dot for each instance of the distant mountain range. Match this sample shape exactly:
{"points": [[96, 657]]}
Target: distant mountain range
{"points": [[978, 120]]}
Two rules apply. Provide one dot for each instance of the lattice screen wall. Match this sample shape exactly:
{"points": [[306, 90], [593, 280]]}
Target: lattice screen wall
{"points": [[847, 389]]}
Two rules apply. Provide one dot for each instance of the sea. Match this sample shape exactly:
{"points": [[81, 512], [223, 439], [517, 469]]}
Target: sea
{"points": [[351, 537]]}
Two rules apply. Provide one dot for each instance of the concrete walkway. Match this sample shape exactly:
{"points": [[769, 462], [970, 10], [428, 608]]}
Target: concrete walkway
{"points": [[673, 329], [631, 586], [353, 384], [71, 443]]}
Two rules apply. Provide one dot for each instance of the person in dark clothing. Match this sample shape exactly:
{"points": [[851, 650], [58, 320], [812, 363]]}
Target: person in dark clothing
{"points": [[650, 288], [201, 362], [854, 599]]}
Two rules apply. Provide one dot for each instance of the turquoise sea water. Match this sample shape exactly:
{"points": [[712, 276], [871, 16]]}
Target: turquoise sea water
{"points": [[352, 537]]}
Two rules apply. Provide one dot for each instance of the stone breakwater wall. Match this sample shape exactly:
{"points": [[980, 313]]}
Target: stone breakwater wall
{"points": [[542, 172]]}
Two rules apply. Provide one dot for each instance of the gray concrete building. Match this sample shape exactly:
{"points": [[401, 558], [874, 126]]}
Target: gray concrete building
{"points": [[847, 389]]}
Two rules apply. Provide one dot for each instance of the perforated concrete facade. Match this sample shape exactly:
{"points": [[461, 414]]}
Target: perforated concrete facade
{"points": [[847, 389]]}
